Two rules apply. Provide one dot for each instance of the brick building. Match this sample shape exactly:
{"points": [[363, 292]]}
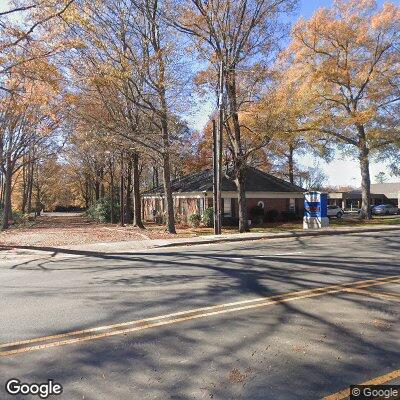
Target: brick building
{"points": [[194, 193]]}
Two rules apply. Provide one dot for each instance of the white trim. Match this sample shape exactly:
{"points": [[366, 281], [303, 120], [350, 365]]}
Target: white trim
{"points": [[190, 195], [266, 195], [152, 196]]}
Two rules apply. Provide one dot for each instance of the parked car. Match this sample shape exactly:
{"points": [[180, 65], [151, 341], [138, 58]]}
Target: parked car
{"points": [[385, 209], [335, 211], [360, 209]]}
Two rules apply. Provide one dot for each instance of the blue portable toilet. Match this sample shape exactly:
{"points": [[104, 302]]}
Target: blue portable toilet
{"points": [[315, 210]]}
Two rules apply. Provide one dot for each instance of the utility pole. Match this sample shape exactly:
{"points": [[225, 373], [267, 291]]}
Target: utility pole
{"points": [[215, 178], [122, 199], [217, 154]]}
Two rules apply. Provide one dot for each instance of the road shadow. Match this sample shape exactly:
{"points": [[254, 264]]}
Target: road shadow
{"points": [[293, 350]]}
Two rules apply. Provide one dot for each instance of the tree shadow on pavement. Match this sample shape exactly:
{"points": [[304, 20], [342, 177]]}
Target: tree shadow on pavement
{"points": [[304, 349]]}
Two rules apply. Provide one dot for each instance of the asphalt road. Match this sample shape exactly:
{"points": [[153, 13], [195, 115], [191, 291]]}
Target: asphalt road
{"points": [[307, 347]]}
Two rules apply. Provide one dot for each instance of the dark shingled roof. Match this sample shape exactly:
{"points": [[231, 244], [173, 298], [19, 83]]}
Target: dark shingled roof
{"points": [[256, 181]]}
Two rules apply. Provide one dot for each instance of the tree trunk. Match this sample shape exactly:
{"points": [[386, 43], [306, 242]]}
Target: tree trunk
{"points": [[137, 204], [24, 185], [128, 196], [38, 205], [7, 212], [1, 189], [365, 182], [112, 194], [164, 112], [102, 188], [97, 189], [291, 164], [121, 193], [240, 167], [86, 192], [169, 201], [242, 204], [30, 186]]}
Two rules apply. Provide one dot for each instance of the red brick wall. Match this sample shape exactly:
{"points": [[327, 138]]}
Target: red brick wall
{"points": [[269, 204], [185, 207]]}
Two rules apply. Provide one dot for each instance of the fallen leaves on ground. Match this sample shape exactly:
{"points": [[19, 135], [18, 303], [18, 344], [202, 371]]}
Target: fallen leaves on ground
{"points": [[75, 230]]}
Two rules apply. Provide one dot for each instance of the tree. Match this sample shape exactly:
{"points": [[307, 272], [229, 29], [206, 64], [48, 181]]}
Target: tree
{"points": [[311, 178], [242, 35], [36, 21], [345, 62], [130, 64], [39, 13], [380, 177], [29, 117]]}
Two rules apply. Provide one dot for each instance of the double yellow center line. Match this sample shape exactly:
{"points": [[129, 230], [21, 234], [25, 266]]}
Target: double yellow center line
{"points": [[46, 342]]}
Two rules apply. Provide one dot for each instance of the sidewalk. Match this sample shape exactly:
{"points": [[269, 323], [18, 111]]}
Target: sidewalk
{"points": [[127, 247], [122, 247]]}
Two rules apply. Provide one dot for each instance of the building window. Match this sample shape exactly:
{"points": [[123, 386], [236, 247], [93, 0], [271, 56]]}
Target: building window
{"points": [[200, 205], [233, 208], [292, 205], [227, 207]]}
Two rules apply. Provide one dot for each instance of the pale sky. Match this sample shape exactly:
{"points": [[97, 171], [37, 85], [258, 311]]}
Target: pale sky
{"points": [[341, 171]]}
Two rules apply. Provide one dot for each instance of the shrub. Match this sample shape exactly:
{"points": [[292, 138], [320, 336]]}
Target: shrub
{"points": [[289, 216], [17, 218], [230, 221], [256, 214], [194, 220], [271, 215], [208, 217], [101, 210]]}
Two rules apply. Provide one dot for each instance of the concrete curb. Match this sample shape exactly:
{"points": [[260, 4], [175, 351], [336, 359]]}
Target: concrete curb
{"points": [[126, 248], [283, 235]]}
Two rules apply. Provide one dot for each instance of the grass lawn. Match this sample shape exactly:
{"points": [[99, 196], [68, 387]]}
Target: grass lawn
{"points": [[334, 222], [389, 220]]}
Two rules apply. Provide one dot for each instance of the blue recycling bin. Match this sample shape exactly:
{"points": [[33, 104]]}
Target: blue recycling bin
{"points": [[315, 210]]}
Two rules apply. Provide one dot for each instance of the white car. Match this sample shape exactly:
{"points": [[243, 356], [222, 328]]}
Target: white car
{"points": [[335, 211]]}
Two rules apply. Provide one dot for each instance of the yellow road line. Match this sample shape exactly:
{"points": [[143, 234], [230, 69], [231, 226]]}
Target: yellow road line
{"points": [[379, 295], [360, 284], [147, 323], [380, 380]]}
